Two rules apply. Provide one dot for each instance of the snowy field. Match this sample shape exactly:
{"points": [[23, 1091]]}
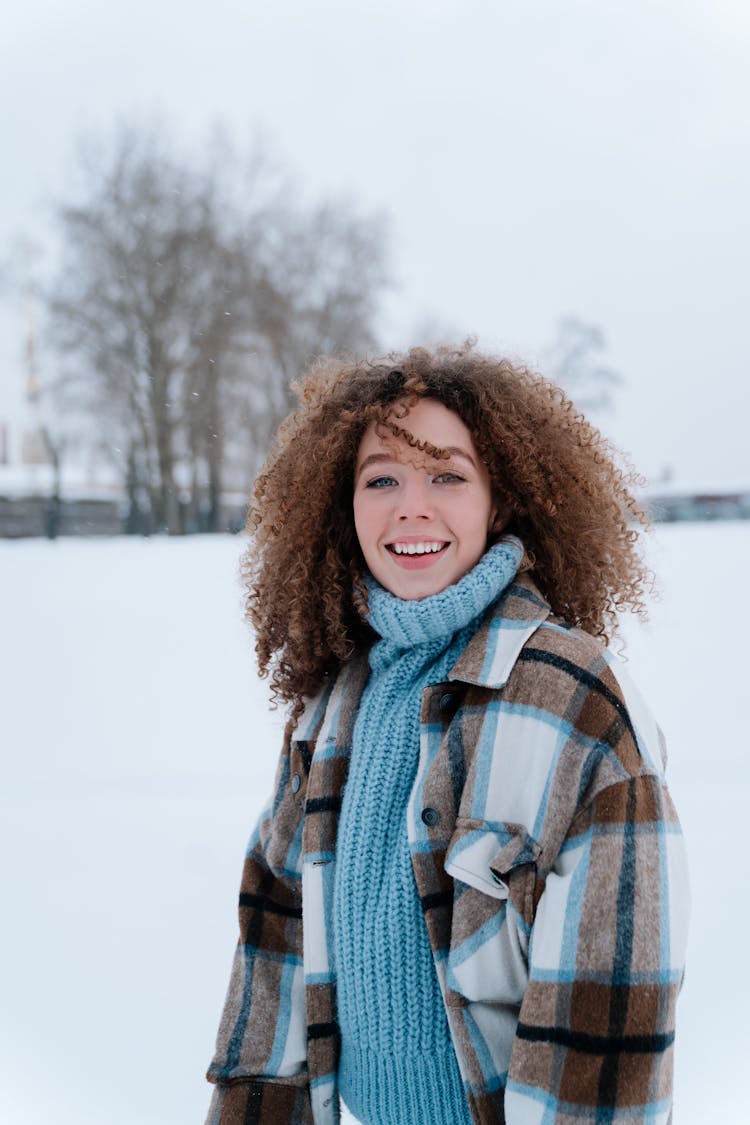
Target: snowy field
{"points": [[137, 750]]}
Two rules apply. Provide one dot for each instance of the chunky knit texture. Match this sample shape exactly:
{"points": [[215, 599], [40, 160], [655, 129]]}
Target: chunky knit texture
{"points": [[397, 1062]]}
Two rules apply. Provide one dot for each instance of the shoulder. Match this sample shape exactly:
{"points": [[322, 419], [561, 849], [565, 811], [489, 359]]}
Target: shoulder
{"points": [[579, 680], [520, 639], [557, 668], [573, 680], [555, 644], [566, 723]]}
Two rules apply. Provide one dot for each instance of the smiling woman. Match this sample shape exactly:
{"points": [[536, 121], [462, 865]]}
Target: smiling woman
{"points": [[422, 522], [467, 900], [552, 479]]}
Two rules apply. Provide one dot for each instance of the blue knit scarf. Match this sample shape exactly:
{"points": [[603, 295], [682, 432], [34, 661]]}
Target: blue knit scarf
{"points": [[397, 1062]]}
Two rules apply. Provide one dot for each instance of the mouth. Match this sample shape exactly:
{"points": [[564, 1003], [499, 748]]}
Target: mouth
{"points": [[417, 555]]}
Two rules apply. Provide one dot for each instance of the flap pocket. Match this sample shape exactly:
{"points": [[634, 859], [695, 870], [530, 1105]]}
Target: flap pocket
{"points": [[483, 853]]}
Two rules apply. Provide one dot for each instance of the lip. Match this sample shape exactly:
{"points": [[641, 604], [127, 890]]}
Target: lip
{"points": [[416, 562]]}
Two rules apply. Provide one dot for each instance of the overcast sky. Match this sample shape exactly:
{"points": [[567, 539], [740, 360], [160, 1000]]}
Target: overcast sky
{"points": [[538, 158]]}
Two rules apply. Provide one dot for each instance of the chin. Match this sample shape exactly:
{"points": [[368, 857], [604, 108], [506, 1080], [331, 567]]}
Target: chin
{"points": [[427, 594], [414, 592]]}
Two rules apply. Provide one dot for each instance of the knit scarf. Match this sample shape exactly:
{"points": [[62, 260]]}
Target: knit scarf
{"points": [[404, 624], [397, 1063]]}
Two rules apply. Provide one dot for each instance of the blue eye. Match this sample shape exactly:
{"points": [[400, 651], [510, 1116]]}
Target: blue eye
{"points": [[449, 478], [381, 482]]}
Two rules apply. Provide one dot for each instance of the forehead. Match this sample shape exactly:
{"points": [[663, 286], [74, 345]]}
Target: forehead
{"points": [[428, 421]]}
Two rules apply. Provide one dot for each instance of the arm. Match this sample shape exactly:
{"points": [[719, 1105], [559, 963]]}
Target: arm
{"points": [[259, 1066], [596, 1028]]}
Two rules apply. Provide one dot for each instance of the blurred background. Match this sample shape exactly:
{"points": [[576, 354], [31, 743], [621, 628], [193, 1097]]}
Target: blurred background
{"points": [[195, 202]]}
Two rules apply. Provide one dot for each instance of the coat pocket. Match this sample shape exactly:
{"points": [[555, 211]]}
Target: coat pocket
{"points": [[494, 872], [485, 854]]}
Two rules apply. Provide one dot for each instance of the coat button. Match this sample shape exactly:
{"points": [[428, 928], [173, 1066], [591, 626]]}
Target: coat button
{"points": [[448, 702], [430, 817], [296, 783]]}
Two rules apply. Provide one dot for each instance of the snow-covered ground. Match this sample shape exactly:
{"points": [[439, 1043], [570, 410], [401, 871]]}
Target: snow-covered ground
{"points": [[137, 748]]}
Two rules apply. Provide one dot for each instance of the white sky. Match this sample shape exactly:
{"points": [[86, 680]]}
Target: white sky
{"points": [[538, 158]]}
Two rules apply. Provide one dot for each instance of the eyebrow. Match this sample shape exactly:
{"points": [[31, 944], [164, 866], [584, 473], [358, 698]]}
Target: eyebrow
{"points": [[388, 458]]}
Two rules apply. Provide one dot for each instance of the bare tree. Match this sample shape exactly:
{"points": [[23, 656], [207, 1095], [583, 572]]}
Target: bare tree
{"points": [[574, 361], [186, 301], [316, 292]]}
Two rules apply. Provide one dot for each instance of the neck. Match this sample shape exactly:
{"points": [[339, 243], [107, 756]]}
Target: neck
{"points": [[407, 623]]}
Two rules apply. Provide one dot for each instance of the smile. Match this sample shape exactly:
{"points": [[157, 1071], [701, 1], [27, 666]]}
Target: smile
{"points": [[427, 548], [417, 556]]}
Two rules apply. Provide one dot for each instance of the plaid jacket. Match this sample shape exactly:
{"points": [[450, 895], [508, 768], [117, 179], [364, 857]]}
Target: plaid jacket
{"points": [[551, 871]]}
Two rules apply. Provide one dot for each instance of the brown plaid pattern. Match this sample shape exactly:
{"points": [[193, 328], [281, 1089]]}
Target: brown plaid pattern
{"points": [[551, 877]]}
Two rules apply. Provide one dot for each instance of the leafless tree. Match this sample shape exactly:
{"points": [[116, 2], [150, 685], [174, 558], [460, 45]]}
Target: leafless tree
{"points": [[187, 299], [575, 362]]}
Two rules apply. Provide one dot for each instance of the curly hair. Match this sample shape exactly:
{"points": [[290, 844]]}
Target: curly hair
{"points": [[570, 503]]}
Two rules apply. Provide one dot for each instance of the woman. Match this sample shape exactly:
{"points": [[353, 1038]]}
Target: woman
{"points": [[467, 900]]}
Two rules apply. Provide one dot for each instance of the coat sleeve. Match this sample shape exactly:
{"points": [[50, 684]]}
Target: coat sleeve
{"points": [[596, 1029], [259, 1067]]}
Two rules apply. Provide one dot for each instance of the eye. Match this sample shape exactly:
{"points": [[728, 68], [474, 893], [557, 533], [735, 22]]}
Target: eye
{"points": [[449, 478], [380, 482]]}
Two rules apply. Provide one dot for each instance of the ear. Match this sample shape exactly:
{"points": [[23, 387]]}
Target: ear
{"points": [[499, 518]]}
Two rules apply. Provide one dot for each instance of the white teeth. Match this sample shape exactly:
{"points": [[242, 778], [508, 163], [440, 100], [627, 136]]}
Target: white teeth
{"points": [[417, 548]]}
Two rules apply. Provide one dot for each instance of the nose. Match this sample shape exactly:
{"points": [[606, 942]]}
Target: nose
{"points": [[413, 501]]}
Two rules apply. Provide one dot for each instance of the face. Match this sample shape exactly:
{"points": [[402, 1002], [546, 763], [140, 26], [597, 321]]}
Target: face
{"points": [[422, 523]]}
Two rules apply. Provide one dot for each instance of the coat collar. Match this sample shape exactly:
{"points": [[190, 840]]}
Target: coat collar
{"points": [[328, 717], [486, 661], [491, 653]]}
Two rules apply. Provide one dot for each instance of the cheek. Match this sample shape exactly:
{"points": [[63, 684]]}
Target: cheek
{"points": [[363, 519], [356, 511], [474, 521]]}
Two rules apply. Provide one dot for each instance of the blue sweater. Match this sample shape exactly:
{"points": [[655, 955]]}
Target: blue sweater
{"points": [[397, 1065]]}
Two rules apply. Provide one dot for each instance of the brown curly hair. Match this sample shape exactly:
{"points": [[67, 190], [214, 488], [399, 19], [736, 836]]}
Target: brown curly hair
{"points": [[570, 503]]}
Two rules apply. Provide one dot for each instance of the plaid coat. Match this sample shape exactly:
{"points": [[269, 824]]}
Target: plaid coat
{"points": [[550, 867]]}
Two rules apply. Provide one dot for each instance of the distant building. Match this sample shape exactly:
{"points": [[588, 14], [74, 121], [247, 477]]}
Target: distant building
{"points": [[30, 505], [672, 502]]}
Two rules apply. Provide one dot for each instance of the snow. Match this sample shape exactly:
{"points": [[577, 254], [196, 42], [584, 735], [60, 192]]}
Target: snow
{"points": [[138, 748]]}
